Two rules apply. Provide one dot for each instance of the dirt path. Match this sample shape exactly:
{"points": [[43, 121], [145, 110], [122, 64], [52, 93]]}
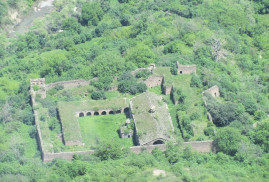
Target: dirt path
{"points": [[43, 8]]}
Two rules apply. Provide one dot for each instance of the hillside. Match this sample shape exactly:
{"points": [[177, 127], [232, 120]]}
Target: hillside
{"points": [[105, 41]]}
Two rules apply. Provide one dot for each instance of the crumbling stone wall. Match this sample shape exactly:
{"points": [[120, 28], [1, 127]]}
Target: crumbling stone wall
{"points": [[213, 91], [199, 146], [48, 157], [154, 81], [68, 84], [167, 89], [185, 69], [40, 82]]}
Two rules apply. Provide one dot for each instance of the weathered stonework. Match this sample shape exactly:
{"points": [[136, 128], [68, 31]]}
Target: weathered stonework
{"points": [[213, 91], [154, 81], [185, 69], [167, 90]]}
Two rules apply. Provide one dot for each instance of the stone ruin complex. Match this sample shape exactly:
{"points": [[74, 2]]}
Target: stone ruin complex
{"points": [[150, 143]]}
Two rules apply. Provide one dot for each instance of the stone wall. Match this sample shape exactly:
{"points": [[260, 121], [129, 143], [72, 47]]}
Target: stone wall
{"points": [[48, 157], [36, 120], [167, 89], [100, 112], [199, 146], [68, 84], [213, 91], [153, 81], [185, 69]]}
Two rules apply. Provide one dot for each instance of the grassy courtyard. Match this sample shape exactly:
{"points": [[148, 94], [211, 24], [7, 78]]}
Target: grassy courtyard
{"points": [[96, 129]]}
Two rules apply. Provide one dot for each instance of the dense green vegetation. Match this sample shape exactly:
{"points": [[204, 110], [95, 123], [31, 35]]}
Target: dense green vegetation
{"points": [[228, 40]]}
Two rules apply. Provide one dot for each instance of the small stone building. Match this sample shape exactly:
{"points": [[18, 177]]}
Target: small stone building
{"points": [[185, 69], [213, 91], [125, 131], [153, 123]]}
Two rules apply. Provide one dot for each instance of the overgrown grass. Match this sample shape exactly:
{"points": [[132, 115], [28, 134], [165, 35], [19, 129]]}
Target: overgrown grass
{"points": [[96, 129]]}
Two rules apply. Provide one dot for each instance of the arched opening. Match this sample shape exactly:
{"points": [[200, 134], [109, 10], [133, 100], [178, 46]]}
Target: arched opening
{"points": [[180, 72], [118, 111], [103, 113], [126, 110], [96, 113], [111, 112], [215, 94], [158, 142], [81, 114], [89, 113]]}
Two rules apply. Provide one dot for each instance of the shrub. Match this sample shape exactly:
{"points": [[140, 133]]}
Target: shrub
{"points": [[59, 87], [33, 132], [196, 81], [36, 87], [227, 140], [141, 87], [98, 95], [110, 150], [209, 131], [143, 74]]}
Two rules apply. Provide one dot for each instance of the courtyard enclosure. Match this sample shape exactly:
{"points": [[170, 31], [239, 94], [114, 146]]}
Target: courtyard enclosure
{"points": [[68, 116], [152, 119]]}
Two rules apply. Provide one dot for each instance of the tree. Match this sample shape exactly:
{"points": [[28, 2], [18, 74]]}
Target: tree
{"points": [[3, 10], [72, 25], [98, 95], [196, 81], [260, 135], [91, 13], [141, 55], [227, 140], [109, 150]]}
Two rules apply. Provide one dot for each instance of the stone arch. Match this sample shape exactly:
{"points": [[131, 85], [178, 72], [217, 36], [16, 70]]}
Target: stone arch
{"points": [[118, 111], [103, 113], [111, 112], [180, 72], [126, 110], [89, 114], [81, 114], [96, 113], [157, 142]]}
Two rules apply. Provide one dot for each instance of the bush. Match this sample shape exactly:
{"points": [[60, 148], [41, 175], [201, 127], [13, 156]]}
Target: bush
{"points": [[91, 13], [260, 135], [227, 140], [143, 74], [196, 81], [98, 95], [141, 87], [209, 131], [33, 132], [59, 87], [110, 150]]}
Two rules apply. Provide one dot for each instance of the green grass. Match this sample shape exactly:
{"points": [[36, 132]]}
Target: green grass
{"points": [[95, 129], [67, 111]]}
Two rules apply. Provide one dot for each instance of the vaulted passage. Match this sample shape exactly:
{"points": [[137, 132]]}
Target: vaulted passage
{"points": [[103, 113], [158, 142], [118, 111], [111, 112], [89, 113], [96, 113], [126, 110], [81, 114]]}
